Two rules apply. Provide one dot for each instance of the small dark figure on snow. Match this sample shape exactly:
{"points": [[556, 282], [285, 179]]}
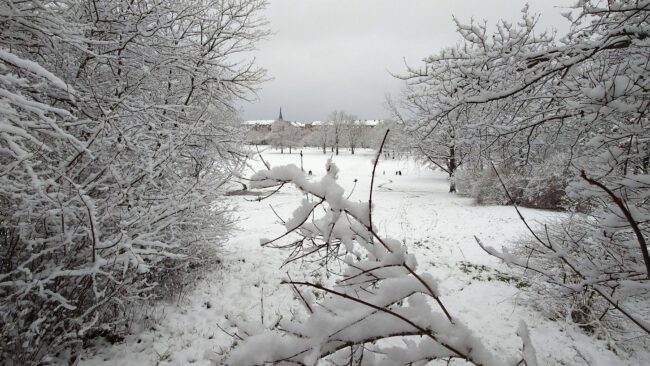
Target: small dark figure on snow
{"points": [[310, 173]]}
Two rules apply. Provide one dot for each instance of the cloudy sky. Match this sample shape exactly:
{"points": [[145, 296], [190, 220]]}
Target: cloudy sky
{"points": [[338, 54]]}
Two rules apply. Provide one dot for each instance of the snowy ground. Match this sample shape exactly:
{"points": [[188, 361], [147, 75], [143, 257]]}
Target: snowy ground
{"points": [[415, 207]]}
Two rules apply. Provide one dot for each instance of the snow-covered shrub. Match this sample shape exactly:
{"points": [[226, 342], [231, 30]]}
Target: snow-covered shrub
{"points": [[542, 185], [546, 184], [547, 192], [594, 279], [593, 268], [374, 295], [572, 301], [486, 188], [489, 190], [116, 139]]}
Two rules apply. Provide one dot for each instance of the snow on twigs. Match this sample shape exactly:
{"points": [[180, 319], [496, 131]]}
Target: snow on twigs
{"points": [[378, 296]]}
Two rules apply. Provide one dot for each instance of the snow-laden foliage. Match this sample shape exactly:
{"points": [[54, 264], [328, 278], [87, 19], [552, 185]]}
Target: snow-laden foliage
{"points": [[375, 309], [343, 130], [339, 123], [115, 138], [285, 135], [542, 185], [527, 96]]}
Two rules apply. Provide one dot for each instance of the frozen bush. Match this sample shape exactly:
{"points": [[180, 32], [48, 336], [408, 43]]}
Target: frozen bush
{"points": [[116, 138], [589, 278], [546, 184], [539, 186], [486, 189], [489, 190]]}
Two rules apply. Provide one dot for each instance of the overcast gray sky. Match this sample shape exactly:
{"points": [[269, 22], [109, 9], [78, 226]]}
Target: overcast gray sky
{"points": [[336, 54]]}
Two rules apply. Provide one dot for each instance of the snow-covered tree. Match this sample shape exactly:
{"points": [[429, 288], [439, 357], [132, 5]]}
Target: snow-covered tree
{"points": [[319, 135], [398, 143], [117, 134], [441, 145], [285, 134], [297, 134], [278, 135], [337, 125], [355, 130], [533, 97]]}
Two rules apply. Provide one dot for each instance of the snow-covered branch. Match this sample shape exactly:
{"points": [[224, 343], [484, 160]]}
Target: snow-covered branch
{"points": [[379, 295]]}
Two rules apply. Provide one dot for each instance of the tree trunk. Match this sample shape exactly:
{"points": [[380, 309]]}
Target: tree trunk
{"points": [[352, 148], [452, 169], [324, 149], [336, 142]]}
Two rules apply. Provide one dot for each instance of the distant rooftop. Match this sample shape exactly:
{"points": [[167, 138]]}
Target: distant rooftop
{"points": [[371, 122], [258, 122], [261, 122]]}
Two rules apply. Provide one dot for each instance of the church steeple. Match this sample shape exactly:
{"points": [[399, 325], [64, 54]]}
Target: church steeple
{"points": [[280, 117]]}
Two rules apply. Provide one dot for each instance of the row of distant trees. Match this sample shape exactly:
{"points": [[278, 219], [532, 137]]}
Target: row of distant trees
{"points": [[340, 130]]}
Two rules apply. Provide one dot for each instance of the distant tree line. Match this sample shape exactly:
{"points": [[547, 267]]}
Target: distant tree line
{"points": [[339, 131]]}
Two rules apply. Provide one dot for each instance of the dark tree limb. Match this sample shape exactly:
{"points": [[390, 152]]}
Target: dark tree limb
{"points": [[628, 216]]}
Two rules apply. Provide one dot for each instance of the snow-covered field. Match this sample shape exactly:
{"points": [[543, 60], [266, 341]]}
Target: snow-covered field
{"points": [[415, 207]]}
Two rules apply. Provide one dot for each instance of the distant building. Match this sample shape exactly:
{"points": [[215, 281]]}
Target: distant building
{"points": [[260, 130], [288, 123], [259, 125], [265, 124], [370, 123]]}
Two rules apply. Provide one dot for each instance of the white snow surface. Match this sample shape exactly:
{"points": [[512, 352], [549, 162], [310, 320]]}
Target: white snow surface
{"points": [[438, 228]]}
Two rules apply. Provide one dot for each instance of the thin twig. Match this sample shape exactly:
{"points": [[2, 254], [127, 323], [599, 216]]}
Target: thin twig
{"points": [[512, 201], [372, 179], [628, 216], [304, 301], [267, 165]]}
